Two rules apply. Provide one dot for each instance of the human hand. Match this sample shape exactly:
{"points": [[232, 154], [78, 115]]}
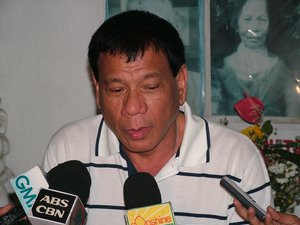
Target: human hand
{"points": [[283, 218], [273, 217], [5, 209]]}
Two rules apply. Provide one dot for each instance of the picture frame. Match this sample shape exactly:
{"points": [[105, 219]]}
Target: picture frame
{"points": [[205, 28], [222, 40], [184, 15]]}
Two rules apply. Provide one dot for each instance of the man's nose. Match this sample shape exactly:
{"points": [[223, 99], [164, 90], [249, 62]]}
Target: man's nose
{"points": [[134, 103]]}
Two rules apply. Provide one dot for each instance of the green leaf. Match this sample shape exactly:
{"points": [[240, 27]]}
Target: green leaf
{"points": [[267, 127], [292, 157]]}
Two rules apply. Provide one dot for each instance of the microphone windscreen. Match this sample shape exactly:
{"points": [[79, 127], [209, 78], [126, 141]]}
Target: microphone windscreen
{"points": [[71, 177], [141, 190]]}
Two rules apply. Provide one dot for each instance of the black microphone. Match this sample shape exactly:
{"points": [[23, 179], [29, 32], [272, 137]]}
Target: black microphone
{"points": [[63, 203], [141, 190], [142, 200], [71, 177]]}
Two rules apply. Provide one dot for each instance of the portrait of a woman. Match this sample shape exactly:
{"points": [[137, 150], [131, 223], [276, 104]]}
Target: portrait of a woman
{"points": [[252, 68]]}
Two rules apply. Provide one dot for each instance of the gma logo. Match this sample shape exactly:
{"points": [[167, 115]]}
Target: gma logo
{"points": [[25, 189]]}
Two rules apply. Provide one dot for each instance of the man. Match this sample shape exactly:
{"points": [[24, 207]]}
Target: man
{"points": [[140, 78]]}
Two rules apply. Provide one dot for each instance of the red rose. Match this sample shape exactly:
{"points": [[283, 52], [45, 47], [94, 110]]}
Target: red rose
{"points": [[250, 109]]}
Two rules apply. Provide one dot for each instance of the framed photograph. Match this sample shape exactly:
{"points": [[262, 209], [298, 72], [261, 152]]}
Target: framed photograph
{"points": [[253, 48], [233, 48]]}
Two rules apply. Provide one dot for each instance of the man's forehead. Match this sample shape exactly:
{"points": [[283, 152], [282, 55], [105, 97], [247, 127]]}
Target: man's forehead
{"points": [[130, 56], [151, 62]]}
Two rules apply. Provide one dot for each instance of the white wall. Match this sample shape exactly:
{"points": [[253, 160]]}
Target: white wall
{"points": [[43, 71]]}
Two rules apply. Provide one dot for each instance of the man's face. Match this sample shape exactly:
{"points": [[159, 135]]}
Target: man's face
{"points": [[140, 99]]}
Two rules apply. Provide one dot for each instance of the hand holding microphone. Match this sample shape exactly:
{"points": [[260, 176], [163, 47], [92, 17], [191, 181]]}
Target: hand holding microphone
{"points": [[143, 202]]}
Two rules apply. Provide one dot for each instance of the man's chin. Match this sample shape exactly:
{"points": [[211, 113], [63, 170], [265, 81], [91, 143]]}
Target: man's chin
{"points": [[138, 150]]}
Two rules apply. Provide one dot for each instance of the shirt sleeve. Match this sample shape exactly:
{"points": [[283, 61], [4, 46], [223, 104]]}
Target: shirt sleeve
{"points": [[255, 181]]}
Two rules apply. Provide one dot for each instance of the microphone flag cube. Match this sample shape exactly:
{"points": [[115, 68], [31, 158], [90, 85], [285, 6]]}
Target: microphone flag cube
{"points": [[159, 214], [56, 207], [28, 185]]}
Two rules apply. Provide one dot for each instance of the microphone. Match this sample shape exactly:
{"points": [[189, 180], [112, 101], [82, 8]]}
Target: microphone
{"points": [[26, 187], [63, 202], [71, 177], [143, 202]]}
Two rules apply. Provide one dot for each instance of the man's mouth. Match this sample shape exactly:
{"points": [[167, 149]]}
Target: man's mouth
{"points": [[138, 133]]}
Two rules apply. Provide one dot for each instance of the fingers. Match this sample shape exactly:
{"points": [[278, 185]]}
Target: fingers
{"points": [[5, 209], [274, 214], [269, 220], [283, 218], [253, 220], [240, 209], [272, 217], [249, 214]]}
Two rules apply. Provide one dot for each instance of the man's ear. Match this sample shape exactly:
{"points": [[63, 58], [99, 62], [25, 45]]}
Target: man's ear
{"points": [[97, 90], [181, 80]]}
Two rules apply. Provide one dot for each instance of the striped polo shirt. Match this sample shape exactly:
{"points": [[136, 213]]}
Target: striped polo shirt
{"points": [[190, 180]]}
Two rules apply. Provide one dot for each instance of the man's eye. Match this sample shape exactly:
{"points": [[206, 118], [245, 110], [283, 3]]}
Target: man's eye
{"points": [[152, 87], [115, 90]]}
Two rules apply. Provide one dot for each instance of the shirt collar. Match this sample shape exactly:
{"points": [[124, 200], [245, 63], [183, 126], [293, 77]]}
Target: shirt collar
{"points": [[195, 146]]}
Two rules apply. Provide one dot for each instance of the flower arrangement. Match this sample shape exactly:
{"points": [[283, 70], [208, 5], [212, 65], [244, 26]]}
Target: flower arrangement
{"points": [[282, 160]]}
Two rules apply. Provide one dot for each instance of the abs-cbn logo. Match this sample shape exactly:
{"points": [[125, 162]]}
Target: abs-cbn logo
{"points": [[52, 205]]}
